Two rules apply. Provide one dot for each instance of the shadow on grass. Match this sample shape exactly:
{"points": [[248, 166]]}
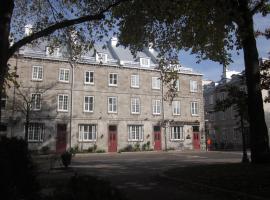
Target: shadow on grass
{"points": [[237, 181]]}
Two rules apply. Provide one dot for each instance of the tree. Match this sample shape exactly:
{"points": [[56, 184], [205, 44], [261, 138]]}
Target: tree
{"points": [[210, 29], [236, 99], [265, 78], [49, 19]]}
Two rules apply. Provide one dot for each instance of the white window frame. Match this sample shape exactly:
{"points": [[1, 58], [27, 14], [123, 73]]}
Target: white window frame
{"points": [[87, 132], [34, 101], [35, 132], [135, 81], [193, 86], [177, 133], [192, 109], [88, 104], [156, 83], [3, 102], [135, 105], [101, 57], [36, 74], [176, 107], [135, 133], [112, 80], [145, 62], [156, 106], [112, 107], [64, 70], [89, 82], [61, 108]]}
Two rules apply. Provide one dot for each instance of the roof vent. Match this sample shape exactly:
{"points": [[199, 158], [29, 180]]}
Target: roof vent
{"points": [[114, 41]]}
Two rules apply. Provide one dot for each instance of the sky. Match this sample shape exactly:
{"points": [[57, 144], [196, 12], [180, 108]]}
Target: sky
{"points": [[213, 70]]}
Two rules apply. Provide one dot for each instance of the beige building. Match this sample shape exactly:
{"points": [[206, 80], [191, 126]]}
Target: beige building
{"points": [[107, 98]]}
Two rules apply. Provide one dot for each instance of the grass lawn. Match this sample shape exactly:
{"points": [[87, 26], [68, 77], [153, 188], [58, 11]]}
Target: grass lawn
{"points": [[231, 181]]}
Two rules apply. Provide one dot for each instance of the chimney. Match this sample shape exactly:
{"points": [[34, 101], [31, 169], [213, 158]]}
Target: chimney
{"points": [[28, 29], [114, 41]]}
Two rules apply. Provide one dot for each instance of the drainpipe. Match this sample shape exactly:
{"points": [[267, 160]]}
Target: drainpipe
{"points": [[71, 101], [163, 114]]}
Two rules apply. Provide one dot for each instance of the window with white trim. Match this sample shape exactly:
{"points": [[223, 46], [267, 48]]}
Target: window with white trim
{"points": [[176, 110], [193, 86], [89, 77], [37, 73], [177, 133], [112, 104], [144, 62], [135, 133], [63, 102], [87, 132], [36, 101], [194, 108], [135, 81], [35, 132], [135, 105], [101, 57], [64, 75], [113, 79], [52, 51], [156, 106], [156, 83], [88, 103]]}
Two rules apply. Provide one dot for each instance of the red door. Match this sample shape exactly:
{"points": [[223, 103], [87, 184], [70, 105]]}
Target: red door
{"points": [[61, 140], [196, 140], [112, 139], [157, 138]]}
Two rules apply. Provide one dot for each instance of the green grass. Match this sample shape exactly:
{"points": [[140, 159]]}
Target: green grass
{"points": [[249, 179]]}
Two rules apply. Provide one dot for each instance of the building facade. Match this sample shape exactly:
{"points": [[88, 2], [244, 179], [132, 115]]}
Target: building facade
{"points": [[107, 98]]}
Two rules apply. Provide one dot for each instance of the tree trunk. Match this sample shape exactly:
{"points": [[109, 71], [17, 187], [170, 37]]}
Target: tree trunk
{"points": [[6, 9], [27, 122], [258, 129]]}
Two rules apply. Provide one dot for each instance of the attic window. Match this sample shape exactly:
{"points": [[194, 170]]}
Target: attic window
{"points": [[101, 57], [54, 52], [144, 62]]}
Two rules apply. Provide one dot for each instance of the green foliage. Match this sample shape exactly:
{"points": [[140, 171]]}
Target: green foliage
{"points": [[17, 171], [265, 78], [92, 149], [45, 149], [66, 158]]}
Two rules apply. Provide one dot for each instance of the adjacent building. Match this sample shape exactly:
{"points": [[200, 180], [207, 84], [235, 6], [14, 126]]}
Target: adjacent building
{"points": [[107, 98]]}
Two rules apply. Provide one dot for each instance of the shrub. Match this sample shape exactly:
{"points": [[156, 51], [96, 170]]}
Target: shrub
{"points": [[74, 150], [44, 149], [66, 158], [92, 149], [137, 147], [100, 151], [17, 171]]}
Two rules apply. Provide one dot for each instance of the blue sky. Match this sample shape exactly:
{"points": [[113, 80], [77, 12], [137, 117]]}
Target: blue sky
{"points": [[213, 70]]}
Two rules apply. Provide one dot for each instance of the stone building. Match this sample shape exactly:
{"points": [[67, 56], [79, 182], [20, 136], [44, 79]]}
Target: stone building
{"points": [[108, 98]]}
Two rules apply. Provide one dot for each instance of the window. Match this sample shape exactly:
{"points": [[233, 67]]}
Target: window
{"points": [[112, 104], [88, 104], [101, 57], [135, 133], [113, 79], [177, 133], [156, 83], [193, 86], [211, 116], [144, 62], [37, 73], [194, 108], [89, 77], [36, 101], [156, 107], [3, 101], [52, 51], [177, 85], [135, 105], [3, 127], [64, 75], [235, 134], [211, 99], [135, 81], [63, 102], [176, 107], [87, 132], [35, 132]]}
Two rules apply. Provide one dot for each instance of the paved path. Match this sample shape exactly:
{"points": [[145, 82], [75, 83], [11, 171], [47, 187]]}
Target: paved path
{"points": [[138, 174]]}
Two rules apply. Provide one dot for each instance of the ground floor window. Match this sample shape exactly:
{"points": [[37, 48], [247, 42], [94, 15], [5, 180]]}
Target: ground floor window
{"points": [[135, 133], [177, 133], [87, 132], [3, 127], [35, 132]]}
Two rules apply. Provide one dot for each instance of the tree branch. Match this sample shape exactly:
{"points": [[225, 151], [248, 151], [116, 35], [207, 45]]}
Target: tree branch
{"points": [[258, 6], [60, 25]]}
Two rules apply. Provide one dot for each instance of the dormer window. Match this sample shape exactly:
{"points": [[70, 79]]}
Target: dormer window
{"points": [[144, 62], [101, 57], [54, 52]]}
